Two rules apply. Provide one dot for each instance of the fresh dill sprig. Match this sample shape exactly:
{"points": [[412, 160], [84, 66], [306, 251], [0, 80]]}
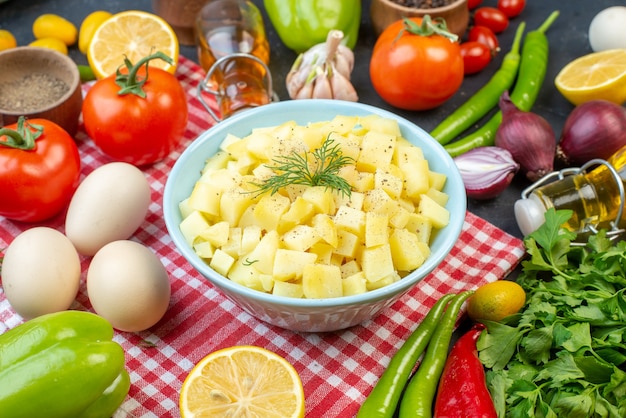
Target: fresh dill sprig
{"points": [[299, 169]]}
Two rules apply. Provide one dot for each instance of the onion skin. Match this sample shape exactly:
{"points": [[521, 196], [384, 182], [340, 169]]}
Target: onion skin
{"points": [[486, 171], [594, 129], [528, 137]]}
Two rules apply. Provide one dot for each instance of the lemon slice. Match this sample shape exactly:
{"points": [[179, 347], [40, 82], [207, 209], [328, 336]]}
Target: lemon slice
{"points": [[595, 76], [134, 34], [242, 381]]}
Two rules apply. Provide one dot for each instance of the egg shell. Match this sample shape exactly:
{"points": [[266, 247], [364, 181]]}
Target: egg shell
{"points": [[109, 205], [40, 272], [607, 29], [128, 286]]}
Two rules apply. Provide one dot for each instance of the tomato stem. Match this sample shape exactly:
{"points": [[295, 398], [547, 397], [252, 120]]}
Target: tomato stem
{"points": [[428, 27], [23, 137], [130, 83]]}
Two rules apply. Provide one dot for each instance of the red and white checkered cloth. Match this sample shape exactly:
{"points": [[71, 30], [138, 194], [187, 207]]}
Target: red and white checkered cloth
{"points": [[337, 369]]}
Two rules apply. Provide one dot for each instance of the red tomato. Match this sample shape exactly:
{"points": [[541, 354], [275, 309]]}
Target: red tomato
{"points": [[415, 72], [476, 56], [472, 4], [484, 35], [491, 17], [511, 8], [135, 129], [37, 183]]}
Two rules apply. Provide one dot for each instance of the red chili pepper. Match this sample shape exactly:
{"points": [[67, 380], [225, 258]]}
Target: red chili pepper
{"points": [[462, 388]]}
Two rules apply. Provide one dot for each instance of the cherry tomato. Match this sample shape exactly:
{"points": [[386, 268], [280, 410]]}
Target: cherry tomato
{"points": [[511, 8], [472, 4], [134, 129], [415, 72], [484, 35], [476, 56], [37, 180], [491, 17]]}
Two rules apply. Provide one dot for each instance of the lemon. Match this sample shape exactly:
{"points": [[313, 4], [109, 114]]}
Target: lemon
{"points": [[51, 43], [88, 28], [54, 26], [595, 76], [7, 40], [133, 34], [495, 301], [242, 381]]}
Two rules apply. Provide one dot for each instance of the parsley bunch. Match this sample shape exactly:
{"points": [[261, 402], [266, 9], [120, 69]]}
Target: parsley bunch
{"points": [[564, 354]]}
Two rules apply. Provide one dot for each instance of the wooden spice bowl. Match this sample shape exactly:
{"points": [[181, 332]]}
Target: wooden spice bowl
{"points": [[39, 83], [385, 12]]}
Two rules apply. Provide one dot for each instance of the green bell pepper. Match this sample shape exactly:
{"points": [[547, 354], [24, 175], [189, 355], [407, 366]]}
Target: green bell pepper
{"points": [[63, 364], [300, 24]]}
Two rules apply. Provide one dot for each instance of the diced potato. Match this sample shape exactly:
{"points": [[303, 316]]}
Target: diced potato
{"points": [[250, 238], [399, 217], [321, 281], [287, 289], [247, 275], [354, 200], [347, 244], [289, 264], [376, 151], [437, 180], [247, 217], [310, 136], [381, 124], [269, 209], [192, 226], [438, 215], [184, 208], [376, 229], [301, 238], [233, 204], [221, 262], [223, 178], [354, 284], [259, 144], [416, 180], [406, 153], [350, 145], [217, 234], [204, 249], [205, 197], [323, 251], [299, 213], [378, 200], [420, 226], [325, 229], [350, 219], [216, 162], [349, 268], [390, 181], [440, 197], [341, 124], [233, 245], [406, 251], [321, 197], [364, 182], [386, 281], [264, 253], [377, 263]]}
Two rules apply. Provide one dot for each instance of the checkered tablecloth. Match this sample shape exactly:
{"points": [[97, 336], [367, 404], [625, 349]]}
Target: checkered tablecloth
{"points": [[337, 369]]}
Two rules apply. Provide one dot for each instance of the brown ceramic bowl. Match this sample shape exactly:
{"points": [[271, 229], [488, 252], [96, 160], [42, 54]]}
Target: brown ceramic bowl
{"points": [[385, 12], [39, 83]]}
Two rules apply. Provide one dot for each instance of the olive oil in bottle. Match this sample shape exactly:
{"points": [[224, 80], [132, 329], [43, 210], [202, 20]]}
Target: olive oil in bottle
{"points": [[594, 196]]}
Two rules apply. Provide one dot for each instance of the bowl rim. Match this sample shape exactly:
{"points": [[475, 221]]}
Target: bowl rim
{"points": [[401, 286], [65, 60]]}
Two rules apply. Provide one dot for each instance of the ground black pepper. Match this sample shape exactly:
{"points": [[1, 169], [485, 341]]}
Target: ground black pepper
{"points": [[31, 92], [424, 4]]}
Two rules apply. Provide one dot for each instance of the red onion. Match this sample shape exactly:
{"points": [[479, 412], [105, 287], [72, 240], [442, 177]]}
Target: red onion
{"points": [[595, 129], [486, 171], [528, 137]]}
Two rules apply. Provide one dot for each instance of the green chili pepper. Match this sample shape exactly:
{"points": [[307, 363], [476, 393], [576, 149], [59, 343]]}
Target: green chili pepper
{"points": [[61, 365], [300, 24], [532, 71], [419, 396], [383, 399], [485, 99]]}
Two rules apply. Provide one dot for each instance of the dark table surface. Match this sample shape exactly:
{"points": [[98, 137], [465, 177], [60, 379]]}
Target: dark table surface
{"points": [[567, 36]]}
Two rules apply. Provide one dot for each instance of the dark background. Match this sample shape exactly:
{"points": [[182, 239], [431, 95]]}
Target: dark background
{"points": [[567, 36]]}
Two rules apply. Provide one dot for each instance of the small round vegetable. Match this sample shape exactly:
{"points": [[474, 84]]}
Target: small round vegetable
{"points": [[472, 4], [88, 28], [54, 26], [416, 64], [607, 29], [484, 35], [50, 43], [496, 300], [491, 17], [511, 8], [7, 40], [40, 170], [40, 272], [476, 56], [142, 122], [128, 286]]}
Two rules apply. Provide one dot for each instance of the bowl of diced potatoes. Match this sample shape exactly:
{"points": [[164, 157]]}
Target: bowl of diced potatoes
{"points": [[314, 215]]}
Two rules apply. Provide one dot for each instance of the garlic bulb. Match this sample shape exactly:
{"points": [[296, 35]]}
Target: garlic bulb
{"points": [[323, 71]]}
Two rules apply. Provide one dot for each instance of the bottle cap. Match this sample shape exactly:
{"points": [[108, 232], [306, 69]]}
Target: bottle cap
{"points": [[530, 214]]}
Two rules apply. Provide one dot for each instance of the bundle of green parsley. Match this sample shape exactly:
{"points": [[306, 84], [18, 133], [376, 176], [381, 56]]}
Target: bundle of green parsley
{"points": [[564, 354]]}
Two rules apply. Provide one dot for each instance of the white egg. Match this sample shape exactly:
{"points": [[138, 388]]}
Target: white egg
{"points": [[109, 205], [128, 286], [40, 272], [607, 29]]}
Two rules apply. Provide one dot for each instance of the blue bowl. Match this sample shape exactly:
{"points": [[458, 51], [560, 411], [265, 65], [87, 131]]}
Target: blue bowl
{"points": [[315, 315]]}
